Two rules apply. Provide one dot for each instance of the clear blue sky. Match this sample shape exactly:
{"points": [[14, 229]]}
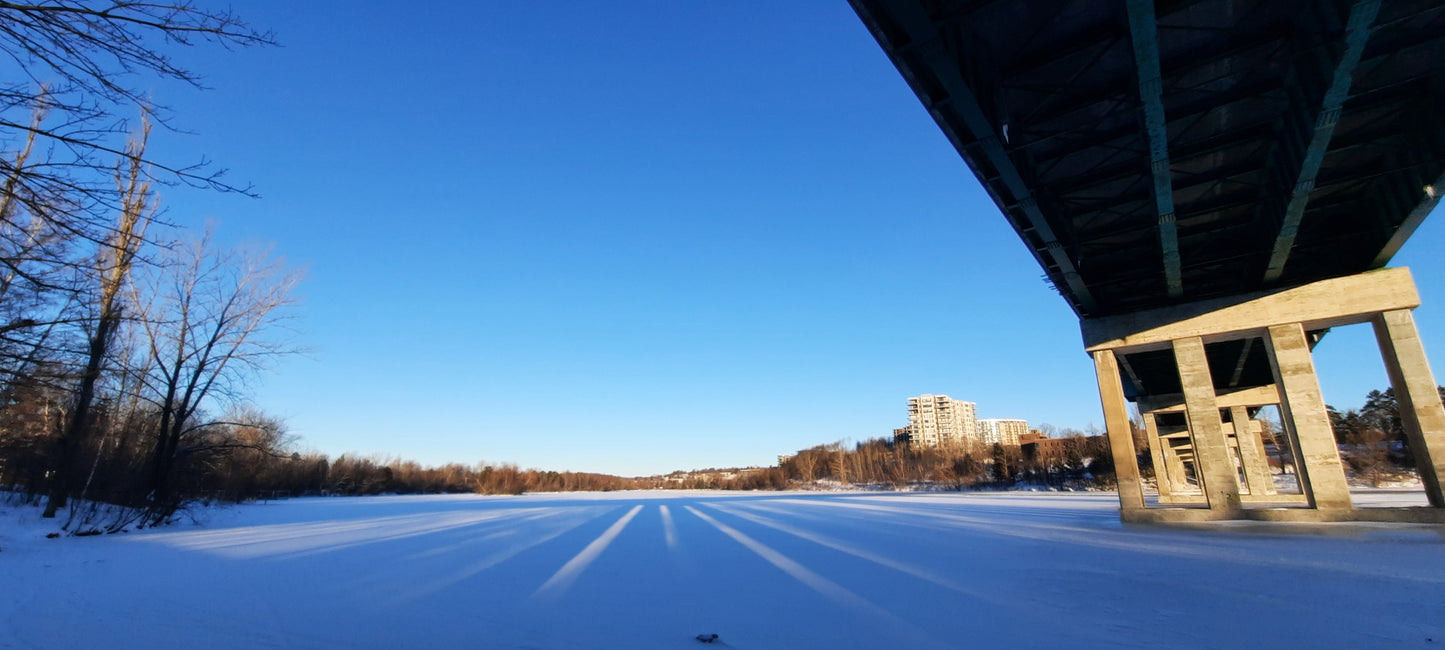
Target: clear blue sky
{"points": [[631, 237]]}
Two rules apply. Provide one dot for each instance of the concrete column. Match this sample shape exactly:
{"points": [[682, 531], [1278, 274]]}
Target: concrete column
{"points": [[1417, 396], [1291, 440], [1121, 438], [1321, 476], [1178, 476], [1181, 490], [1231, 443], [1156, 452], [1212, 462], [1256, 436], [1251, 453]]}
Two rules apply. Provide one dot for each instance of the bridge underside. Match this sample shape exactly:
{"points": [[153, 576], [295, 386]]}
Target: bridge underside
{"points": [[1193, 167]]}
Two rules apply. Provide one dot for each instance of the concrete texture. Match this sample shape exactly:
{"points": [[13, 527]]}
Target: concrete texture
{"points": [[1228, 460], [1416, 394], [1319, 457], [1214, 465]]}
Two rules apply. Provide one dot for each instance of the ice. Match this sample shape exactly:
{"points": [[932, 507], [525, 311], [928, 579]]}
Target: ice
{"points": [[761, 570]]}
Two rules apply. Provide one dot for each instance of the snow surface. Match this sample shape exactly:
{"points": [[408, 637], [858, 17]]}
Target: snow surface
{"points": [[761, 570]]}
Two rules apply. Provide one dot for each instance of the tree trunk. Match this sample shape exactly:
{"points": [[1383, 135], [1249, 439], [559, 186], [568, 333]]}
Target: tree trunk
{"points": [[79, 417], [113, 265]]}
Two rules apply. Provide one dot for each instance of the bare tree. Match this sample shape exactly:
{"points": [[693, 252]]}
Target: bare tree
{"points": [[112, 270], [806, 461], [34, 256], [212, 318], [838, 464], [77, 68], [84, 63]]}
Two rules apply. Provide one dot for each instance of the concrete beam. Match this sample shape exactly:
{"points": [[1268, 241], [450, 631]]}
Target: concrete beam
{"points": [[1174, 402], [1300, 515], [1318, 305], [1416, 394], [1194, 498]]}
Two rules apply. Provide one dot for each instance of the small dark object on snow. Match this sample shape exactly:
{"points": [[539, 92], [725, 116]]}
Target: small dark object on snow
{"points": [[52, 536], [707, 638]]}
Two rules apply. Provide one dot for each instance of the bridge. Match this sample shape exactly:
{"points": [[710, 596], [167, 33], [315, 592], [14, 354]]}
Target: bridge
{"points": [[1211, 185]]}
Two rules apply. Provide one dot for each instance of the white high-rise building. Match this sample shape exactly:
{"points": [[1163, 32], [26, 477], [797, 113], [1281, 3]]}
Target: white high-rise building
{"points": [[936, 420], [1002, 430]]}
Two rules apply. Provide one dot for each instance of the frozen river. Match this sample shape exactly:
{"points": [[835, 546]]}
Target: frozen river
{"points": [[761, 570]]}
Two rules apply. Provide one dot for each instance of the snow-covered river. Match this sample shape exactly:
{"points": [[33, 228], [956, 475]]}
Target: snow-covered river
{"points": [[761, 570]]}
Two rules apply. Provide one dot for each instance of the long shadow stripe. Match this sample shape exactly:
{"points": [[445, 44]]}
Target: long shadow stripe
{"points": [[565, 576]]}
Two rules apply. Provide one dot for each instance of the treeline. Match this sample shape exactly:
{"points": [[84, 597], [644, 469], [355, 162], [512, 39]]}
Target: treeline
{"points": [[1372, 439], [1074, 461], [245, 455], [255, 475], [735, 478]]}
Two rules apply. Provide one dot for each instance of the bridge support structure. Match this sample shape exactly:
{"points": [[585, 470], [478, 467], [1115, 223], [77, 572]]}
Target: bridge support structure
{"points": [[1220, 441], [1171, 448]]}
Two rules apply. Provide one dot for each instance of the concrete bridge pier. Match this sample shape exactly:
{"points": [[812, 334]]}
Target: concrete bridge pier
{"points": [[1171, 446], [1248, 438], [1171, 479], [1224, 443]]}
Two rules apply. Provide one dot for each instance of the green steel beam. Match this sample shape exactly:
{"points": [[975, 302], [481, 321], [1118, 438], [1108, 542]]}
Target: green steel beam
{"points": [[1357, 34], [1133, 376], [923, 39], [1239, 367], [1143, 33], [1412, 221]]}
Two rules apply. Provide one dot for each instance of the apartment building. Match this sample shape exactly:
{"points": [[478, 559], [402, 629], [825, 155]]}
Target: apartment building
{"points": [[937, 420], [1003, 431]]}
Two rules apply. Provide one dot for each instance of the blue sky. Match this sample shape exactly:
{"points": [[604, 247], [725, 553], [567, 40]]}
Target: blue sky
{"points": [[630, 238]]}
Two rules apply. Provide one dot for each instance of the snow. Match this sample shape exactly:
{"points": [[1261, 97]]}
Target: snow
{"points": [[761, 570]]}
